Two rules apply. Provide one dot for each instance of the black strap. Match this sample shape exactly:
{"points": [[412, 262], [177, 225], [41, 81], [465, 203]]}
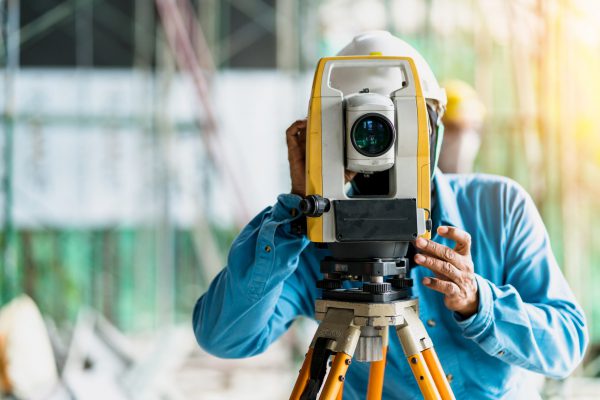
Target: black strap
{"points": [[433, 136], [318, 369]]}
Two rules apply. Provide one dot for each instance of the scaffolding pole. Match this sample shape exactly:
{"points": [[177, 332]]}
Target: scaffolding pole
{"points": [[10, 24]]}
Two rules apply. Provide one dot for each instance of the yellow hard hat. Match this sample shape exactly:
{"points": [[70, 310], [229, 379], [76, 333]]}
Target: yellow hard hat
{"points": [[464, 105]]}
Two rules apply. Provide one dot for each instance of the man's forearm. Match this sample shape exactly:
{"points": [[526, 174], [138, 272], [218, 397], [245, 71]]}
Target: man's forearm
{"points": [[548, 338], [238, 315]]}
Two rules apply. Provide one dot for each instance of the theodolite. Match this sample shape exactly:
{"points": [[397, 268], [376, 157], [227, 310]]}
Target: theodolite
{"points": [[389, 140]]}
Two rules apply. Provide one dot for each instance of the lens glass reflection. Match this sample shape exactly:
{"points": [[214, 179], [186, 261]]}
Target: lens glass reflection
{"points": [[372, 135]]}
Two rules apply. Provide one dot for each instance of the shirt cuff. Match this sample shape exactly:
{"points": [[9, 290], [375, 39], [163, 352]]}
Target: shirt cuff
{"points": [[287, 207], [477, 324]]}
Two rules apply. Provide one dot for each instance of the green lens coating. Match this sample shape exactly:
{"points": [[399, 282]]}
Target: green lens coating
{"points": [[372, 135]]}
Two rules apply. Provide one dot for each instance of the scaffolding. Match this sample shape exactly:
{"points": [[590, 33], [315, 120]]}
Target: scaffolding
{"points": [[541, 132], [166, 40]]}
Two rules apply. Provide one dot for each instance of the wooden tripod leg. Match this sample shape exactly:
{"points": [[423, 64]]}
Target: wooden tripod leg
{"points": [[336, 377], [437, 372], [302, 377], [377, 372]]}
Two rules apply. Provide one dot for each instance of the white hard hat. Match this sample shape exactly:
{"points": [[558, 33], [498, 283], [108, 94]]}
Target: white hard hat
{"points": [[386, 80]]}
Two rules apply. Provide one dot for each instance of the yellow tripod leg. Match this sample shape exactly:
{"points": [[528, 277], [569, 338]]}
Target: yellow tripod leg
{"points": [[337, 375], [414, 340], [377, 371], [302, 377], [340, 393], [423, 377], [435, 367]]}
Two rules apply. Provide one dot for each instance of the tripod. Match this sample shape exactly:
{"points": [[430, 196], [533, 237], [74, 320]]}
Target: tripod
{"points": [[356, 323]]}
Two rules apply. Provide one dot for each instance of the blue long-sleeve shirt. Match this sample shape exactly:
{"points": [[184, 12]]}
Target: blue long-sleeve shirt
{"points": [[527, 316]]}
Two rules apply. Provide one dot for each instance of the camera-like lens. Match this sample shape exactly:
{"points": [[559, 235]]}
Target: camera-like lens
{"points": [[372, 135]]}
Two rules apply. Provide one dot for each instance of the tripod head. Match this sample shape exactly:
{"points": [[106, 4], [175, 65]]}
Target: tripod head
{"points": [[381, 268]]}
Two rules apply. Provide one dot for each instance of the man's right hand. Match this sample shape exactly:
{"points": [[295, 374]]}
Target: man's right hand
{"points": [[296, 143]]}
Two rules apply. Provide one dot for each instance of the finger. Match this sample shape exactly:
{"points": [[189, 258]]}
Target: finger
{"points": [[442, 286], [462, 238], [295, 128], [439, 267], [349, 175], [302, 139], [296, 141], [436, 249]]}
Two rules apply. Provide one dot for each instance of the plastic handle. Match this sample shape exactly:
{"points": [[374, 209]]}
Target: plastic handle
{"points": [[364, 62]]}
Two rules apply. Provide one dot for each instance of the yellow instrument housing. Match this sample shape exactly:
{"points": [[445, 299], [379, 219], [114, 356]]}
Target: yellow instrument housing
{"points": [[314, 148]]}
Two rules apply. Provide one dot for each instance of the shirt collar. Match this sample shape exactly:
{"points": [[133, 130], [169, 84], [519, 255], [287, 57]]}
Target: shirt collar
{"points": [[445, 208]]}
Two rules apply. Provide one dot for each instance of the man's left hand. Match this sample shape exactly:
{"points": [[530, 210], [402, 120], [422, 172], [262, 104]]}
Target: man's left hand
{"points": [[453, 269]]}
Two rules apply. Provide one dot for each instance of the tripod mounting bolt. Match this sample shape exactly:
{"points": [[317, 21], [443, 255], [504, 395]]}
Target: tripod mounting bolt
{"points": [[369, 349]]}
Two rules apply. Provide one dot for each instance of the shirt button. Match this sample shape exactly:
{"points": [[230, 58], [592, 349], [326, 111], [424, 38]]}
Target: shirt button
{"points": [[501, 353], [293, 212], [268, 248], [450, 378], [431, 322]]}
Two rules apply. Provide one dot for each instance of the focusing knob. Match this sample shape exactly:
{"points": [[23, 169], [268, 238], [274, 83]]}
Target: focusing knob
{"points": [[377, 287], [314, 205], [401, 283]]}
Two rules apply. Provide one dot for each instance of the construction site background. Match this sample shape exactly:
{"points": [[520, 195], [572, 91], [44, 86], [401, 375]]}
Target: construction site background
{"points": [[138, 138]]}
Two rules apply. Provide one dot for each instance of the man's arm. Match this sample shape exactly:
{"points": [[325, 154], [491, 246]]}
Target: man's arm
{"points": [[532, 319], [254, 299], [257, 295]]}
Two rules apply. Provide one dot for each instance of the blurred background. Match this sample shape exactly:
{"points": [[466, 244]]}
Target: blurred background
{"points": [[138, 137]]}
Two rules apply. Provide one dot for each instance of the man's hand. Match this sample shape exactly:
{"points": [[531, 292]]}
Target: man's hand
{"points": [[296, 143], [453, 269]]}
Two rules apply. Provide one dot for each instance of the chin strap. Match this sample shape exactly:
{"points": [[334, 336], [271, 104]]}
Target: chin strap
{"points": [[436, 137]]}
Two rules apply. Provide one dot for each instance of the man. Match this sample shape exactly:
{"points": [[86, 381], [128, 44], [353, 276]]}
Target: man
{"points": [[463, 120], [493, 299]]}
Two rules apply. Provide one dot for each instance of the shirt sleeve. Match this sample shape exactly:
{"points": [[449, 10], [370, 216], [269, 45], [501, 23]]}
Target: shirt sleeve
{"points": [[532, 319], [254, 299]]}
